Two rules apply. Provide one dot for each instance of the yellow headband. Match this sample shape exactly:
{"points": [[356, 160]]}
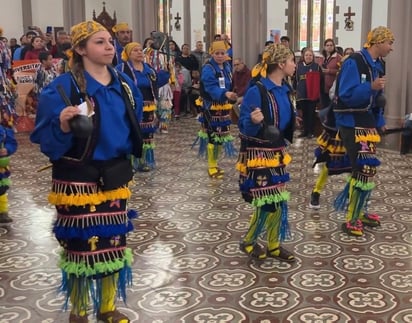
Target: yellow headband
{"points": [[273, 54], [218, 45], [120, 27], [84, 30], [379, 35], [128, 49]]}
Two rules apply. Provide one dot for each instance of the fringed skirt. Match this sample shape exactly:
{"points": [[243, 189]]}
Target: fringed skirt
{"points": [[215, 129], [332, 152], [262, 180], [149, 127], [91, 227]]}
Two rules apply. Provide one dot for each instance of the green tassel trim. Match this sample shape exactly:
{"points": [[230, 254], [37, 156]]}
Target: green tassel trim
{"points": [[147, 146], [364, 186], [271, 199], [5, 182], [81, 269], [221, 139], [203, 135]]}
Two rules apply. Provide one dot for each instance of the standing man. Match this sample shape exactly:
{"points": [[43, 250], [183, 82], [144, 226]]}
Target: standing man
{"points": [[359, 118], [123, 36], [200, 54]]}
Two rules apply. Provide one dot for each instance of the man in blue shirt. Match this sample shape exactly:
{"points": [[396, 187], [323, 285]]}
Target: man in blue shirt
{"points": [[359, 118]]}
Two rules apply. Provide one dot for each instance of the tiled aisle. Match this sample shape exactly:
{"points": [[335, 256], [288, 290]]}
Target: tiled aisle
{"points": [[188, 267]]}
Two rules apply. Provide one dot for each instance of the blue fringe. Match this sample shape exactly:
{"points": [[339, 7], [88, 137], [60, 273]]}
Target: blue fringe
{"points": [[246, 185], [318, 152], [98, 230], [149, 158], [195, 142], [280, 178], [217, 124], [148, 130], [368, 161], [339, 163], [230, 149], [132, 214], [202, 146], [91, 288], [284, 223], [4, 175], [342, 199], [261, 217], [362, 198]]}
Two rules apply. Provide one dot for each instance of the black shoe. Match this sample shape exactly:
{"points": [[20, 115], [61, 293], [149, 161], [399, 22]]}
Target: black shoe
{"points": [[4, 218], [310, 136], [314, 201]]}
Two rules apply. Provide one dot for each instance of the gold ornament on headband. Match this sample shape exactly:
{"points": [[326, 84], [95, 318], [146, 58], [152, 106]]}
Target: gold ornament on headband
{"points": [[121, 26], [379, 35], [128, 49]]}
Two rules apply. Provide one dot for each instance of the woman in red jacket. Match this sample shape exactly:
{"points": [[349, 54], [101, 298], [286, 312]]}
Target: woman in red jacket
{"points": [[330, 66]]}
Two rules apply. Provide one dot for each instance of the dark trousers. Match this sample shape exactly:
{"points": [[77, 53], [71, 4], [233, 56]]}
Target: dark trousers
{"points": [[308, 109], [348, 138]]}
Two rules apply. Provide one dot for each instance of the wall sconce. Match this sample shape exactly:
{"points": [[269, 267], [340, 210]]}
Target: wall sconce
{"points": [[177, 21]]}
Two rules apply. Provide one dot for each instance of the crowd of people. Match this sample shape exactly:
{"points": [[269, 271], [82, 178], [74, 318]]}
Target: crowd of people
{"points": [[148, 85]]}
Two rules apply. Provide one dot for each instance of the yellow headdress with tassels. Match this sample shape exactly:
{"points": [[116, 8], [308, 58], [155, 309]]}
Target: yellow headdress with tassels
{"points": [[273, 54], [121, 26], [128, 49], [379, 35]]}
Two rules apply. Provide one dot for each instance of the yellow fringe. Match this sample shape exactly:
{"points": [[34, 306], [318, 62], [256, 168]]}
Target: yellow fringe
{"points": [[286, 159], [241, 168], [199, 101], [226, 106], [262, 162], [91, 198], [149, 108], [367, 135]]}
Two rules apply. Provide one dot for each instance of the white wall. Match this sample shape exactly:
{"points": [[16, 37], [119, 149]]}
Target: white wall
{"points": [[11, 19], [349, 38], [177, 35], [198, 21], [276, 18], [47, 13]]}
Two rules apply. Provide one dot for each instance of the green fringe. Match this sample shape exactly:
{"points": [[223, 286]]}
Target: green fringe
{"points": [[82, 269], [221, 139], [203, 135], [364, 186], [5, 182], [147, 146], [271, 199]]}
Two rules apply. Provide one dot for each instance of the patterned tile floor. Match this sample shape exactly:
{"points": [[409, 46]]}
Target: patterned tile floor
{"points": [[188, 267]]}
